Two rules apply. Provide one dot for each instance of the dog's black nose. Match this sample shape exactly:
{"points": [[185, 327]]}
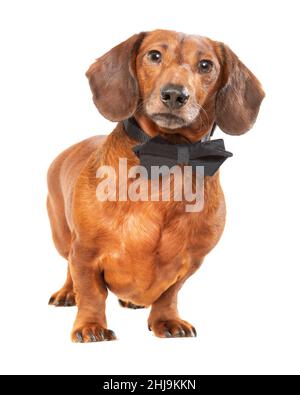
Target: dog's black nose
{"points": [[174, 96]]}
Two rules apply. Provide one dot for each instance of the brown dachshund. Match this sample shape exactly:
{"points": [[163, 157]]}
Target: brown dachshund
{"points": [[176, 86]]}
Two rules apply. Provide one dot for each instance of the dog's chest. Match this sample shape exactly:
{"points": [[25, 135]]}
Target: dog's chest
{"points": [[143, 255]]}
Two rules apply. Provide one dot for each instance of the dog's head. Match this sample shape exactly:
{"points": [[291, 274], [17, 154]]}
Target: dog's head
{"points": [[176, 81]]}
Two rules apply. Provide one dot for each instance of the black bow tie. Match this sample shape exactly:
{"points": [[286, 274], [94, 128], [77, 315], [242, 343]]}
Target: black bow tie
{"points": [[157, 151]]}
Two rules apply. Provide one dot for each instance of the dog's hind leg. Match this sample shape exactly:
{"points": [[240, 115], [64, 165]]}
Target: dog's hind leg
{"points": [[65, 297], [62, 240]]}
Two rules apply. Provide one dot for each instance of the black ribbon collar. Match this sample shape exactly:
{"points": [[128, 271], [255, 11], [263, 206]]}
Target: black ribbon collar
{"points": [[157, 151]]}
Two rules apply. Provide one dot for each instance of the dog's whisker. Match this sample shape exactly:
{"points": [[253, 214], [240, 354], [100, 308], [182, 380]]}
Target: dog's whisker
{"points": [[141, 106]]}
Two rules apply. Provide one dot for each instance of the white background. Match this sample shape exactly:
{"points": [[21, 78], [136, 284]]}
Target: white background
{"points": [[245, 299]]}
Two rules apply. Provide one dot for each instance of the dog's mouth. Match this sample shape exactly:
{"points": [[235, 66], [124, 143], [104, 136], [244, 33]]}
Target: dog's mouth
{"points": [[168, 120]]}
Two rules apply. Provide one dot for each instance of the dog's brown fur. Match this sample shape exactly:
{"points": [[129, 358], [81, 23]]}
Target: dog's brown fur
{"points": [[143, 251]]}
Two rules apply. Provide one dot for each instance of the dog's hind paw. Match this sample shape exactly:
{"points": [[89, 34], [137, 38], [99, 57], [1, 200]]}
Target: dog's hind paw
{"points": [[63, 298], [129, 305]]}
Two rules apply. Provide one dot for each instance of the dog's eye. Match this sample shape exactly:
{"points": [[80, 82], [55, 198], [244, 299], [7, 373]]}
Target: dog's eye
{"points": [[154, 56], [205, 66]]}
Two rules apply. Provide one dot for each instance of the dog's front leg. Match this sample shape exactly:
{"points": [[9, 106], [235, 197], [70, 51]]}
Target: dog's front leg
{"points": [[91, 292], [164, 319]]}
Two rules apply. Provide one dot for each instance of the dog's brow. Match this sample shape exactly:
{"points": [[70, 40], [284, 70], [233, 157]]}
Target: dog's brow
{"points": [[162, 45], [202, 54]]}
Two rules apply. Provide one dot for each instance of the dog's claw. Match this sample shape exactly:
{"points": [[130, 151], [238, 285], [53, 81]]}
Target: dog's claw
{"points": [[181, 333], [51, 300], [111, 335], [79, 337], [93, 337]]}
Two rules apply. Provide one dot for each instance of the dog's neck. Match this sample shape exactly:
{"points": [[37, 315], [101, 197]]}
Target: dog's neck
{"points": [[157, 151], [188, 134]]}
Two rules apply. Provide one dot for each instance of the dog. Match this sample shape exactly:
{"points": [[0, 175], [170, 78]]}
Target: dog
{"points": [[175, 87]]}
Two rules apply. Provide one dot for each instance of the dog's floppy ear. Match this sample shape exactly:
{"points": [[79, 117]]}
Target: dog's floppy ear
{"points": [[113, 81], [238, 101]]}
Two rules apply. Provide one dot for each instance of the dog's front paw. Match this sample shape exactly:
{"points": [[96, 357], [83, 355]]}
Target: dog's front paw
{"points": [[92, 332], [172, 328]]}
